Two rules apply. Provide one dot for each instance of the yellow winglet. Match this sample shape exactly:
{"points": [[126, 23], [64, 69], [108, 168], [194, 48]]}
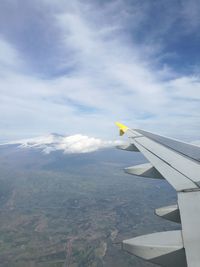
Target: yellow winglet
{"points": [[122, 128]]}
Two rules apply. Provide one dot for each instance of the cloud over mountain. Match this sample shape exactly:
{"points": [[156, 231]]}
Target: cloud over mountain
{"points": [[77, 143]]}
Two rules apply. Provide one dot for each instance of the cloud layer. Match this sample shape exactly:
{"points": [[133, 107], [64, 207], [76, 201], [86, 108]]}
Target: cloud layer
{"points": [[78, 67], [68, 144]]}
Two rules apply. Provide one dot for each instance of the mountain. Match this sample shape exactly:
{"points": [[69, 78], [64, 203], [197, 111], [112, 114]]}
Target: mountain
{"points": [[61, 208], [68, 144]]}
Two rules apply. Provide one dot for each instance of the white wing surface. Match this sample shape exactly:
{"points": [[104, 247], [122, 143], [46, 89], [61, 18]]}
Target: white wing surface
{"points": [[179, 164]]}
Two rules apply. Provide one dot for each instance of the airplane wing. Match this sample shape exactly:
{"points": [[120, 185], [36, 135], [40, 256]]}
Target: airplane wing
{"points": [[179, 164]]}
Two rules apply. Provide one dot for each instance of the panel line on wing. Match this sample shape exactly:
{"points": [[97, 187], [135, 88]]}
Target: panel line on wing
{"points": [[175, 178], [188, 150], [179, 162], [167, 163]]}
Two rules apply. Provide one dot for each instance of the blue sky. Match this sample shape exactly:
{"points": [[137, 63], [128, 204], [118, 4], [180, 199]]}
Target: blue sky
{"points": [[78, 66]]}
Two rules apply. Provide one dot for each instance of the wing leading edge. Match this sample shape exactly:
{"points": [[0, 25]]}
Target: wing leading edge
{"points": [[179, 164]]}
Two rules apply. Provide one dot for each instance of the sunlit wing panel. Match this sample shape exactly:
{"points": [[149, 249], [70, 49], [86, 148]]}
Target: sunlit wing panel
{"points": [[179, 164]]}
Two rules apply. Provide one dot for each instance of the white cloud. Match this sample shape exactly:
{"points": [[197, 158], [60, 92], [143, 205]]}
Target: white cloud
{"points": [[68, 144]]}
